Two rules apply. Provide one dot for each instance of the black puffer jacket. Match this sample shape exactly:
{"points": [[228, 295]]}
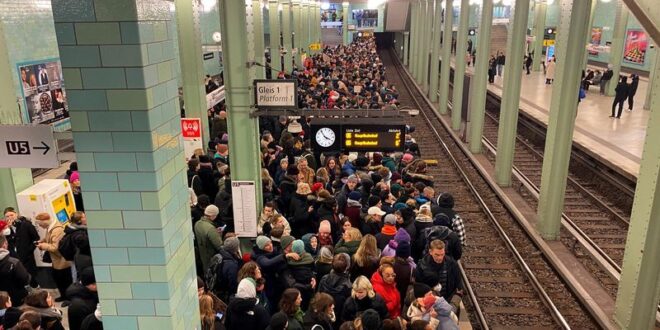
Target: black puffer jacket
{"points": [[339, 287], [428, 272], [301, 221], [83, 303], [74, 246], [25, 236], [245, 313], [353, 307], [287, 189], [452, 242], [13, 277]]}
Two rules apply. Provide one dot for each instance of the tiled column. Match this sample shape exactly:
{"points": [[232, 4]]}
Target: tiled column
{"points": [[118, 60], [459, 75], [190, 58], [422, 41], [15, 179], [286, 34], [412, 58], [478, 86], [446, 56]]}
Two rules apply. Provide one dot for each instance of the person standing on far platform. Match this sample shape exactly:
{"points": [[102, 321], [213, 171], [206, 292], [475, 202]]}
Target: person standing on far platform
{"points": [[620, 96], [632, 90], [500, 63], [605, 79], [528, 62], [550, 71]]}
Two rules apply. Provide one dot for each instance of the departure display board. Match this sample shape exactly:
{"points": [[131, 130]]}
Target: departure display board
{"points": [[358, 135]]}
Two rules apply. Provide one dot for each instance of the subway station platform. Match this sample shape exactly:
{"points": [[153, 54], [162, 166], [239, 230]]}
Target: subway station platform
{"points": [[618, 142]]}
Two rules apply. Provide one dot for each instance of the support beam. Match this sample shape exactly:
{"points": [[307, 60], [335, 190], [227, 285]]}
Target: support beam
{"points": [[506, 135], [655, 63], [274, 42], [192, 70], [435, 54], [317, 25], [459, 74], [418, 40], [446, 56], [286, 35], [647, 13], [297, 26], [344, 25], [587, 37], [259, 48], [563, 107], [406, 45], [243, 130], [539, 32], [414, 35], [639, 287], [478, 88], [616, 50], [428, 37], [304, 25]]}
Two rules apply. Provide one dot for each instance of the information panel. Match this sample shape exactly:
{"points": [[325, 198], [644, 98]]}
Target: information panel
{"points": [[280, 94], [359, 135], [244, 206]]}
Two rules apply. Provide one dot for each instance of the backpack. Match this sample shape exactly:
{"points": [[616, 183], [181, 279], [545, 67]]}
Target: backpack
{"points": [[213, 275]]}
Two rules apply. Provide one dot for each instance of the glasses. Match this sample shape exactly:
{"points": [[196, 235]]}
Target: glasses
{"points": [[389, 275]]}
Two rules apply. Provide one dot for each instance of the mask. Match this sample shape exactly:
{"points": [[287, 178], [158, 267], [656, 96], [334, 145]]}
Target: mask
{"points": [[6, 232], [333, 318]]}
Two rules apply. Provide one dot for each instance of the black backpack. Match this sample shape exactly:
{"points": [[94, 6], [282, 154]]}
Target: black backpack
{"points": [[434, 233], [213, 276]]}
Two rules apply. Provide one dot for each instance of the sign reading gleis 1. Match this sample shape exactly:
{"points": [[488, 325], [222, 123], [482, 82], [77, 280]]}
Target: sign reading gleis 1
{"points": [[278, 94]]}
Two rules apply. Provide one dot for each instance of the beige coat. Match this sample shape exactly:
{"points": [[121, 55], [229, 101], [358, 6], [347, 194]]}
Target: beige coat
{"points": [[52, 240], [550, 70]]}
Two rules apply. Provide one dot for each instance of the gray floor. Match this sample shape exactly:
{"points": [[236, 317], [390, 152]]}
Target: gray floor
{"points": [[331, 36]]}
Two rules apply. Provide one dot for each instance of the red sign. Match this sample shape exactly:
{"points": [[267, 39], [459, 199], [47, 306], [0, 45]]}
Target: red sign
{"points": [[191, 128]]}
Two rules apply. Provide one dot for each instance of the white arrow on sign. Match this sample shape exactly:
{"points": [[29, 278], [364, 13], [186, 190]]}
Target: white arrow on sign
{"points": [[27, 146]]}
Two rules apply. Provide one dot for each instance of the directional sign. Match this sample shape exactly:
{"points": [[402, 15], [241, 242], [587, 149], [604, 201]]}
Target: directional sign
{"points": [[280, 94], [28, 146]]}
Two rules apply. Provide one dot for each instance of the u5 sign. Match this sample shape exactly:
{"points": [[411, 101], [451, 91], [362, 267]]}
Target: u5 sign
{"points": [[27, 146]]}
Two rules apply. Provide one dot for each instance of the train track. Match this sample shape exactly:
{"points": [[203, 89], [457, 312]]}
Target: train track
{"points": [[508, 280]]}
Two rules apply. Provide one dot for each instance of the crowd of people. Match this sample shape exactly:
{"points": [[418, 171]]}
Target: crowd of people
{"points": [[345, 241]]}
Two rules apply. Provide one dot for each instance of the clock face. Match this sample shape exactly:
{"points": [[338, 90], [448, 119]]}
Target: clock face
{"points": [[217, 37], [325, 137]]}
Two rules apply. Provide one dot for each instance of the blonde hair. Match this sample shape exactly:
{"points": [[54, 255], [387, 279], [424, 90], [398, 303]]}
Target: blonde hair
{"points": [[362, 283], [206, 312], [323, 173], [354, 234], [367, 250]]}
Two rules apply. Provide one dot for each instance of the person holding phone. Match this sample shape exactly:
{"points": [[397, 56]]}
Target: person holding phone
{"points": [[211, 320]]}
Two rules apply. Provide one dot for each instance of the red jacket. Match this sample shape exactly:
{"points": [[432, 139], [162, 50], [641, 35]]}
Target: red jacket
{"points": [[389, 293]]}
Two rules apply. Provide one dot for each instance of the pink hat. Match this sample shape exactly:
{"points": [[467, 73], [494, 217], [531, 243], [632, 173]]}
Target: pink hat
{"points": [[75, 176], [324, 227], [407, 157]]}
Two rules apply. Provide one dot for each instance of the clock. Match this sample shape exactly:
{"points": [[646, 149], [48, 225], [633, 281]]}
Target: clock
{"points": [[217, 37], [325, 137]]}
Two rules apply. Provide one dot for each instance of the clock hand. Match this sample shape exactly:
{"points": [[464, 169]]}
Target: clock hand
{"points": [[325, 136]]}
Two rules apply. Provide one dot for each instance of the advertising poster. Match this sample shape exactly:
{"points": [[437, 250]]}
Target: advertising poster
{"points": [[635, 47], [596, 37], [43, 91]]}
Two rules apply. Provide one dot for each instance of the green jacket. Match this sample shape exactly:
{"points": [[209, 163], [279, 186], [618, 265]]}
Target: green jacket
{"points": [[208, 240], [389, 163], [347, 247]]}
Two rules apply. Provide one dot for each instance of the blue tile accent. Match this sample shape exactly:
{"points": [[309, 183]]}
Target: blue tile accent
{"points": [[145, 161], [99, 181], [162, 307], [126, 238], [120, 322], [142, 77], [115, 162], [147, 256], [121, 201], [85, 161], [150, 290], [143, 219], [92, 201], [154, 238], [80, 56], [135, 307], [92, 141], [110, 256], [87, 100]]}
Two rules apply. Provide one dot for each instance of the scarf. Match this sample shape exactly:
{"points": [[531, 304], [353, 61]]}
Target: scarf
{"points": [[388, 230]]}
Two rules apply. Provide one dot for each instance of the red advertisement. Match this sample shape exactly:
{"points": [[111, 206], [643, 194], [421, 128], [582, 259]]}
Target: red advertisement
{"points": [[635, 47], [191, 128], [596, 37]]}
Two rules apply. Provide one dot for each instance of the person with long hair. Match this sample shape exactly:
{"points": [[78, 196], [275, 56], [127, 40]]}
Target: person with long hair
{"points": [[363, 297], [41, 302], [321, 312], [290, 305], [365, 259], [350, 241], [210, 319], [384, 284]]}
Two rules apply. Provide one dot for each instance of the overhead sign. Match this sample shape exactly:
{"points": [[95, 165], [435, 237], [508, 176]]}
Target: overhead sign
{"points": [[191, 131], [215, 96], [28, 146], [372, 135], [244, 207], [315, 46], [279, 94]]}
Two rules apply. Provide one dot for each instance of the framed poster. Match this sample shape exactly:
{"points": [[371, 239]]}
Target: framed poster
{"points": [[43, 92], [596, 37], [634, 50]]}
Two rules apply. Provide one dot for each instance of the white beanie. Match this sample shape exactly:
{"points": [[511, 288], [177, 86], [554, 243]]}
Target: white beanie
{"points": [[246, 289]]}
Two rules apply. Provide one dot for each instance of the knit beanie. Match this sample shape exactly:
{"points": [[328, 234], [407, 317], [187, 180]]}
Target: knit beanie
{"points": [[390, 219], [370, 320], [395, 188], [355, 195], [421, 289], [373, 201], [298, 247], [286, 241], [246, 289], [400, 206], [403, 250], [262, 241], [279, 321], [402, 236], [211, 210]]}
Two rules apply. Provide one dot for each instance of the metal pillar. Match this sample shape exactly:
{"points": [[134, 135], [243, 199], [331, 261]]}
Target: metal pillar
{"points": [[435, 53], [478, 88], [344, 25], [587, 37], [286, 35], [319, 36], [655, 63], [418, 44], [562, 116], [414, 35], [446, 56], [515, 48], [406, 45], [304, 26], [274, 42], [639, 287], [539, 32], [616, 50], [296, 26], [128, 145], [459, 73], [310, 23], [243, 130], [259, 48], [428, 39], [192, 70]]}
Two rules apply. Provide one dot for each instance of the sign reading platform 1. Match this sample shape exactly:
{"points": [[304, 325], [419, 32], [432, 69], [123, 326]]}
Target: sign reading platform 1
{"points": [[28, 146], [387, 137], [279, 94]]}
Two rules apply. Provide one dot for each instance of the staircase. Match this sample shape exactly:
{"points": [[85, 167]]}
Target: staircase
{"points": [[498, 35]]}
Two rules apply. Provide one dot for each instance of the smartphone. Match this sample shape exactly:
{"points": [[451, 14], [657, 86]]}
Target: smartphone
{"points": [[219, 315]]}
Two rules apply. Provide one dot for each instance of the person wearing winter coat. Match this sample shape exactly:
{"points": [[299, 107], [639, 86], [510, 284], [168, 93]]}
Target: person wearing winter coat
{"points": [[321, 313], [431, 308], [387, 232], [24, 234], [439, 271], [243, 311], [338, 282], [365, 260], [207, 177], [84, 298], [9, 315], [41, 302], [440, 231], [50, 244], [550, 71], [325, 233], [302, 272], [290, 304], [400, 236], [353, 209], [363, 297], [632, 90], [620, 97], [607, 76], [404, 266], [311, 244], [13, 276], [423, 220], [323, 264], [300, 211], [273, 265], [445, 204], [209, 241], [287, 188], [74, 246], [384, 284], [389, 162], [227, 281], [350, 242], [343, 194], [373, 222]]}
